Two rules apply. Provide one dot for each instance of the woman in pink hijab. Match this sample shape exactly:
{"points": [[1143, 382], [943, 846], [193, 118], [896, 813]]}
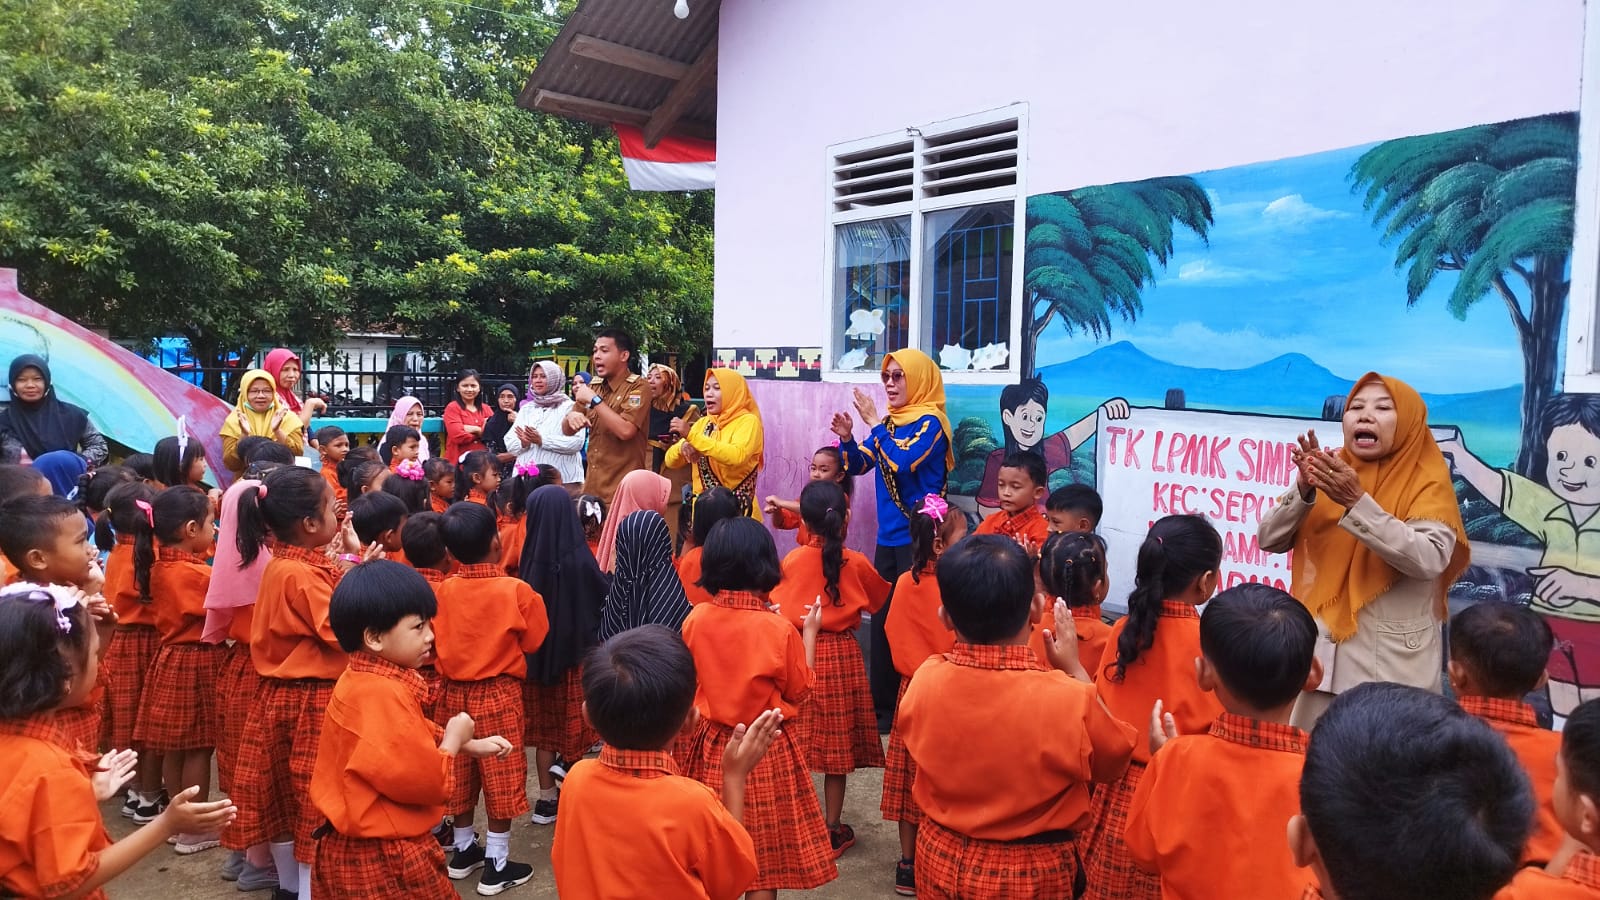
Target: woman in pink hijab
{"points": [[409, 411], [285, 369], [640, 489]]}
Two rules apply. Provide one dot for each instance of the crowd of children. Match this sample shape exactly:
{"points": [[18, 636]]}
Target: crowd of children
{"points": [[370, 651]]}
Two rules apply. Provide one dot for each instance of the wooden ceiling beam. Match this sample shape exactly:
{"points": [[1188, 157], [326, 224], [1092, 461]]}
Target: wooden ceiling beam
{"points": [[602, 113], [701, 76], [590, 47]]}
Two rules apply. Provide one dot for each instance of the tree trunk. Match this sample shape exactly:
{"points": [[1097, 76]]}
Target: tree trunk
{"points": [[1032, 328], [1548, 288]]}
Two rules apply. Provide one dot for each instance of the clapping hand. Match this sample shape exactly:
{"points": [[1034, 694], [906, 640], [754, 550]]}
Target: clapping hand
{"points": [[1163, 727], [1297, 455], [866, 408], [1330, 474], [842, 427], [116, 769]]}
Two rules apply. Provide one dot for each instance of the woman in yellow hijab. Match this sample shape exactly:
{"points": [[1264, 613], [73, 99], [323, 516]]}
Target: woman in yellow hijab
{"points": [[1377, 538], [724, 448], [259, 412]]}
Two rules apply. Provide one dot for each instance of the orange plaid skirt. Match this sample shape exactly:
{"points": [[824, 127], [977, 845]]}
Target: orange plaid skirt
{"points": [[781, 811], [836, 724], [180, 699], [237, 687], [954, 866], [272, 773], [348, 868], [123, 670], [495, 705], [899, 771], [1111, 875], [555, 716]]}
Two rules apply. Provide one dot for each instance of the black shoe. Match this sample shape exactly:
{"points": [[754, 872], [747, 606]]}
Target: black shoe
{"points": [[508, 876], [558, 769], [905, 878], [147, 812], [842, 837], [544, 811], [445, 834], [130, 805], [465, 862], [281, 894]]}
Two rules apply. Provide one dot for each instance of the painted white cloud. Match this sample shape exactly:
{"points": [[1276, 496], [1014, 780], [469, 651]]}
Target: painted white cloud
{"points": [[1294, 211], [1207, 271]]}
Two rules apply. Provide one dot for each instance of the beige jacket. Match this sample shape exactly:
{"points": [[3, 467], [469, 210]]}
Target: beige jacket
{"points": [[1397, 635]]}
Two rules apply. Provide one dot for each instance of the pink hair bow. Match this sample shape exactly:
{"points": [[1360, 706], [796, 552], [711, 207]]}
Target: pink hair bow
{"points": [[410, 470], [148, 510], [935, 507], [530, 470]]}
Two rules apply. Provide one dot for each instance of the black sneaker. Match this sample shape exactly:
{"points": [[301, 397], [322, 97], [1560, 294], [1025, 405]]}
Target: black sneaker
{"points": [[281, 894], [130, 805], [507, 876], [558, 769], [445, 834], [544, 811], [147, 812], [842, 837], [905, 878], [465, 862]]}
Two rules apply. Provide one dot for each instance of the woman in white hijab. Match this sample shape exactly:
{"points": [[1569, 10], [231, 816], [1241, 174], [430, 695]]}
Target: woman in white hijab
{"points": [[536, 436]]}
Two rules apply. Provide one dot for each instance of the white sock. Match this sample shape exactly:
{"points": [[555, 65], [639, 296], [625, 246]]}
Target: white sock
{"points": [[133, 794], [305, 881], [464, 837], [148, 798], [549, 793], [497, 847], [283, 861]]}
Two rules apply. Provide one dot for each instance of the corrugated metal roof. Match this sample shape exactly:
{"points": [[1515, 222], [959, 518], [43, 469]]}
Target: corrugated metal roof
{"points": [[647, 25]]}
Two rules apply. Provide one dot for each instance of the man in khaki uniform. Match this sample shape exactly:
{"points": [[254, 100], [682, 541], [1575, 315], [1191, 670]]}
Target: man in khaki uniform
{"points": [[617, 412]]}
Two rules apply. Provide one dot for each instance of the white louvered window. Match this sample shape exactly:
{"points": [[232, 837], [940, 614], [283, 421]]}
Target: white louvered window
{"points": [[922, 246]]}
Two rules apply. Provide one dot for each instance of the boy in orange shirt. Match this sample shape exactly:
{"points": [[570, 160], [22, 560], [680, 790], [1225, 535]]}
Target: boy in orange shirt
{"points": [[334, 445], [486, 622], [1009, 830], [1498, 653], [1577, 804], [379, 517], [383, 770], [678, 839], [1075, 507], [1209, 813], [1022, 484]]}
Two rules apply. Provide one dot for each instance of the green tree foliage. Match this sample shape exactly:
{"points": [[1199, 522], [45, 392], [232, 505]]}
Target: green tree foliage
{"points": [[1089, 252], [973, 442], [244, 172], [1495, 205]]}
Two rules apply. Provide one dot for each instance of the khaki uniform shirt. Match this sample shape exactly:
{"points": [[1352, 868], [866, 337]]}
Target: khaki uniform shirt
{"points": [[610, 458]]}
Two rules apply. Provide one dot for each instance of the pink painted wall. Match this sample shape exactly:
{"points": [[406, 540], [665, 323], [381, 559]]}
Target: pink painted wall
{"points": [[1115, 92], [795, 417]]}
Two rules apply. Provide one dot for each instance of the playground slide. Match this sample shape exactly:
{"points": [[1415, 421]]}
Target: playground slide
{"points": [[131, 401]]}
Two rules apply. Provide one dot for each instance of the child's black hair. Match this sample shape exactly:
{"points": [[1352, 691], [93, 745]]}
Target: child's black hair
{"points": [[511, 498], [712, 507], [1070, 565], [435, 468], [986, 585], [171, 467], [362, 474], [848, 482], [37, 658], [1079, 498], [394, 437], [478, 462], [292, 495], [93, 499], [591, 514], [1177, 550], [412, 492], [1569, 408], [1031, 464], [638, 687], [127, 519], [171, 509], [326, 435], [19, 481], [924, 532], [739, 556], [1260, 641], [469, 532], [1408, 797], [1012, 398], [353, 460], [422, 542], [373, 513], [823, 507], [250, 444], [264, 457], [144, 465], [32, 523], [1580, 749], [1506, 647], [375, 596]]}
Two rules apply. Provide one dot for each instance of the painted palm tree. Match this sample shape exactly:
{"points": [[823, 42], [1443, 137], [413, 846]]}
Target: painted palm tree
{"points": [[1493, 204], [1089, 252]]}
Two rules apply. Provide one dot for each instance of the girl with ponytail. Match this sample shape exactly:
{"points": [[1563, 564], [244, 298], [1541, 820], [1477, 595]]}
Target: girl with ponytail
{"points": [[134, 643], [842, 730], [1072, 566], [1152, 675]]}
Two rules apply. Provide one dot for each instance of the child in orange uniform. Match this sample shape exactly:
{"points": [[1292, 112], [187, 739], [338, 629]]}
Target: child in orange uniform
{"points": [[1577, 801], [1072, 567], [52, 842], [333, 445], [706, 511], [1209, 814], [1404, 796], [827, 464], [383, 770], [750, 659], [1022, 485], [477, 477], [401, 443], [1155, 647], [379, 518], [132, 650], [425, 551], [915, 632], [837, 726], [1498, 653], [486, 622], [1003, 831], [297, 656], [441, 475], [179, 715], [1073, 507], [678, 838]]}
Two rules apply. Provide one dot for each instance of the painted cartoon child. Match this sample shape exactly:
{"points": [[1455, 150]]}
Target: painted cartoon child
{"points": [[1561, 514], [1022, 411]]}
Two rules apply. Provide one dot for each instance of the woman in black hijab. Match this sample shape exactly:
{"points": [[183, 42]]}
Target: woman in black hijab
{"points": [[503, 412], [37, 421]]}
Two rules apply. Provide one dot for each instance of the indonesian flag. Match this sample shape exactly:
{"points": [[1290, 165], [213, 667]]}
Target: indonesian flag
{"points": [[674, 164]]}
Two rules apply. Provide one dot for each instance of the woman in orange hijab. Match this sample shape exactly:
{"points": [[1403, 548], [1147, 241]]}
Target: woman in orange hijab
{"points": [[723, 449], [1377, 538]]}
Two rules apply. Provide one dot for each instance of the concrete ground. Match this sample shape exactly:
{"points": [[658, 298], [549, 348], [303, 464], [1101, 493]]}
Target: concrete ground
{"points": [[865, 870]]}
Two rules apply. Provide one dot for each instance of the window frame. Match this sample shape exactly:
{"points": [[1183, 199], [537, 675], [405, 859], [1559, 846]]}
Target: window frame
{"points": [[917, 208], [1582, 373]]}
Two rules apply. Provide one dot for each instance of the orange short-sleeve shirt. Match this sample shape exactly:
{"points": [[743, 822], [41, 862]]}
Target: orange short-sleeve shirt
{"points": [[913, 626], [121, 591], [689, 574], [1164, 672], [1092, 635], [290, 636], [748, 658], [51, 835], [861, 589], [1536, 749], [1029, 525], [178, 583], [486, 622], [1580, 881]]}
